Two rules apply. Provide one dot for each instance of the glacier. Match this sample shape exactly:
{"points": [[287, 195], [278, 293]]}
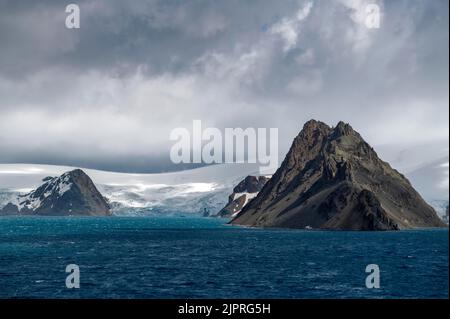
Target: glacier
{"points": [[200, 191]]}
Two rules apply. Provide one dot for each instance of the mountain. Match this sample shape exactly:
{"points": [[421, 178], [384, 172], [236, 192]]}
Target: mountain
{"points": [[73, 193], [246, 190], [197, 191], [332, 179]]}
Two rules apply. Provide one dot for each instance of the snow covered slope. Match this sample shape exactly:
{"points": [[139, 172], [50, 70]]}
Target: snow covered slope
{"points": [[245, 191], [198, 191], [73, 193]]}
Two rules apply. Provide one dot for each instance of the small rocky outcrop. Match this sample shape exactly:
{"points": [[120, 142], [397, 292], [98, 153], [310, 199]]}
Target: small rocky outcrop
{"points": [[245, 191]]}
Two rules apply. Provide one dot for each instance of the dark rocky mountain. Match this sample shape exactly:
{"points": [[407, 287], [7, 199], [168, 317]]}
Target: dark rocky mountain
{"points": [[73, 193], [332, 179], [246, 190]]}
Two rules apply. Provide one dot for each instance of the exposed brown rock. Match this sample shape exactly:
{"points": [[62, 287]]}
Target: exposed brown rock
{"points": [[332, 179]]}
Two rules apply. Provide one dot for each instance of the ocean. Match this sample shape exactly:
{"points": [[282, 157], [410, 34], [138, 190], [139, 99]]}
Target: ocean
{"points": [[189, 257]]}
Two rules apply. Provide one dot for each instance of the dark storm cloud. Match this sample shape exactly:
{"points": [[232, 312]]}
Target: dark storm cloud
{"points": [[118, 35], [108, 95]]}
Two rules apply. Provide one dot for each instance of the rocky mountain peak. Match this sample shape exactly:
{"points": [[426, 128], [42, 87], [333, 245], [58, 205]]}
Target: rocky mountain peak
{"points": [[313, 129], [343, 129], [313, 124], [332, 179]]}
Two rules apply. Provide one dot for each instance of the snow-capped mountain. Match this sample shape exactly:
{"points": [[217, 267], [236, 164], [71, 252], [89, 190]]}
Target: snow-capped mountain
{"points": [[72, 193], [199, 191], [245, 191]]}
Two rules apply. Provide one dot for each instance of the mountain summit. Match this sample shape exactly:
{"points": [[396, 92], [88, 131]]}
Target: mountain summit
{"points": [[332, 179], [73, 193]]}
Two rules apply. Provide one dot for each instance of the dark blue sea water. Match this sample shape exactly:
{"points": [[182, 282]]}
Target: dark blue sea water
{"points": [[179, 257]]}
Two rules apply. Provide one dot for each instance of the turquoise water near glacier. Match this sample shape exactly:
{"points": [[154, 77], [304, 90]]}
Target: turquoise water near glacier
{"points": [[176, 257]]}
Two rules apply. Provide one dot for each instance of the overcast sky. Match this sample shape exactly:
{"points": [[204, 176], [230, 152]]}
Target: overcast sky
{"points": [[107, 95]]}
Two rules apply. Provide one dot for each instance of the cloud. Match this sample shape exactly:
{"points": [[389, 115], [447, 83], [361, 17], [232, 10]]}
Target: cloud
{"points": [[360, 36], [305, 58], [444, 183], [108, 95], [306, 84], [288, 28]]}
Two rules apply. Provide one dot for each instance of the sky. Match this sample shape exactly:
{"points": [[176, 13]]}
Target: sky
{"points": [[107, 95]]}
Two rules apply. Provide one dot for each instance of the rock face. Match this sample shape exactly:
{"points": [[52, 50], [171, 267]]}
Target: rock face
{"points": [[246, 190], [73, 193], [332, 179]]}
